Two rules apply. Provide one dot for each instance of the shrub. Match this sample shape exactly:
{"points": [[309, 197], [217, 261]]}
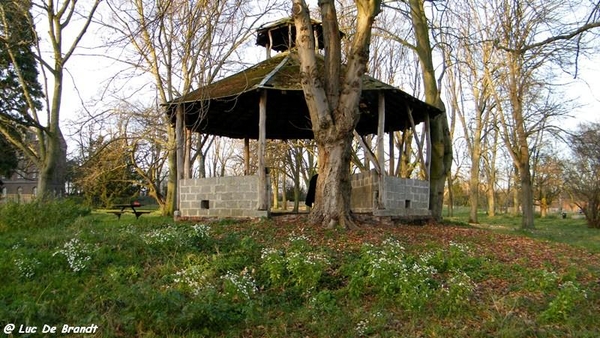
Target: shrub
{"points": [[389, 272], [39, 214], [297, 266], [569, 297]]}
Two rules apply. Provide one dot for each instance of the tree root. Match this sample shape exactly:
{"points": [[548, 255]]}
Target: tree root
{"points": [[346, 221]]}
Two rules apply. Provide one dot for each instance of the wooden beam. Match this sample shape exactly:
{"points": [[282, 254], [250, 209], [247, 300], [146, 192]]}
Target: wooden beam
{"points": [[381, 132], [380, 149], [179, 144], [263, 194], [428, 132], [270, 44], [246, 156], [391, 145], [368, 151], [419, 145], [187, 149]]}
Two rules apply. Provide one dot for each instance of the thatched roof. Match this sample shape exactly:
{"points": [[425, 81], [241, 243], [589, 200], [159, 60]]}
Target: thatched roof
{"points": [[229, 107]]}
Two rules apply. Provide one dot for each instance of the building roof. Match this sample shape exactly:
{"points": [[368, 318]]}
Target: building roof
{"points": [[230, 107]]}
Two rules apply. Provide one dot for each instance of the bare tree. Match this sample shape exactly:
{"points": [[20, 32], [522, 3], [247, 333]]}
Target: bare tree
{"points": [[182, 44], [298, 166], [490, 157], [441, 142], [470, 94], [66, 22], [523, 86], [332, 100], [582, 173], [547, 179]]}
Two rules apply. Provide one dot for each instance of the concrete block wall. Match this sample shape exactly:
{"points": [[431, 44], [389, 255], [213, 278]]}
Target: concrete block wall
{"points": [[364, 186], [232, 196], [405, 197], [401, 196]]}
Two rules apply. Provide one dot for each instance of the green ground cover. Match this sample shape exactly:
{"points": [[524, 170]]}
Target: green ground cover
{"points": [[281, 278], [571, 230]]}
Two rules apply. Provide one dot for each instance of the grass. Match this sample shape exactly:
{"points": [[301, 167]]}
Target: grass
{"points": [[152, 277], [572, 230]]}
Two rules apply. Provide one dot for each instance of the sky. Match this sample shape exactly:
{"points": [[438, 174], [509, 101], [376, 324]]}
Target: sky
{"points": [[88, 76]]}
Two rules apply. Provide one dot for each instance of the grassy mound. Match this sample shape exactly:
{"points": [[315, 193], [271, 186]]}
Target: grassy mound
{"points": [[153, 277]]}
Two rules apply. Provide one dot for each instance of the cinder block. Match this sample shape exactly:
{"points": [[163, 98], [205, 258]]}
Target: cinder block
{"points": [[245, 204], [240, 213], [224, 212], [206, 189], [226, 196]]}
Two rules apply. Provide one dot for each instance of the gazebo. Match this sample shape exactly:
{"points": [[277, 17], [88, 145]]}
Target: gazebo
{"points": [[266, 101]]}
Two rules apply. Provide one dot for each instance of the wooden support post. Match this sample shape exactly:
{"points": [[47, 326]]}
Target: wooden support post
{"points": [[428, 132], [246, 156], [290, 42], [368, 151], [179, 140], [380, 149], [270, 44], [391, 145], [187, 149], [381, 132], [263, 194]]}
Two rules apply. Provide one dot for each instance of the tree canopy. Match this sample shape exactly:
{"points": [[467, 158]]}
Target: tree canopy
{"points": [[18, 66]]}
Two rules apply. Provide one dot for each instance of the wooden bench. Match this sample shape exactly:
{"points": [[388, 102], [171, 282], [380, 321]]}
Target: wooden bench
{"points": [[117, 213], [140, 213], [137, 214]]}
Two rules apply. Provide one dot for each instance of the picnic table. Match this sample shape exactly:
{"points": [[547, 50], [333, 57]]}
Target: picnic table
{"points": [[123, 208]]}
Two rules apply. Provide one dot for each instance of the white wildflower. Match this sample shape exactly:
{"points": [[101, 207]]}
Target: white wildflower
{"points": [[77, 254]]}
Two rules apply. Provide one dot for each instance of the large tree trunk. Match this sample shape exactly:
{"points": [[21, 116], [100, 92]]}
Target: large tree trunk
{"points": [[54, 155], [332, 100], [441, 162], [332, 196], [51, 175], [526, 193], [441, 143]]}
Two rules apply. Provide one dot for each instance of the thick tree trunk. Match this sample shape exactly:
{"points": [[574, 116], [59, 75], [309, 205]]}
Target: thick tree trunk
{"points": [[50, 175], [54, 155], [47, 170], [441, 162], [441, 144], [332, 196], [526, 196], [332, 100]]}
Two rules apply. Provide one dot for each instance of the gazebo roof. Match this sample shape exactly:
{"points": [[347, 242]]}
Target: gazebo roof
{"points": [[230, 107]]}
